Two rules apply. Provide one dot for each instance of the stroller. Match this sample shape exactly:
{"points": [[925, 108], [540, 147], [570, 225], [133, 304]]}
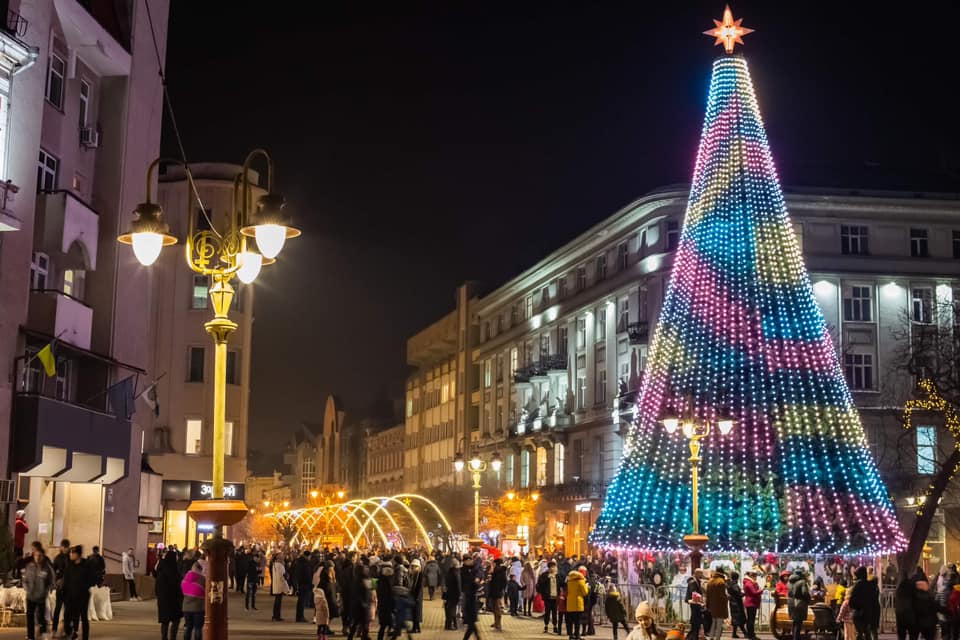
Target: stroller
{"points": [[825, 626]]}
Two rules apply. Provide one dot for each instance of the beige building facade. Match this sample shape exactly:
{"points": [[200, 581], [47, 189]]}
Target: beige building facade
{"points": [[384, 461]]}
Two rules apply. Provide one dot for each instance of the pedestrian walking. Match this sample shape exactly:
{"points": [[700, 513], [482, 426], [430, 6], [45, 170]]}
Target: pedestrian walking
{"points": [[128, 562], [695, 600], [361, 601], [798, 600], [98, 566], [528, 588], [451, 595], [241, 560], [513, 594], [251, 581], [278, 585], [718, 603], [549, 586], [845, 617], [60, 562], [903, 605], [577, 592], [616, 612], [416, 594], [924, 604], [169, 596], [865, 603], [303, 580], [385, 603], [193, 587], [469, 584], [77, 580], [321, 613], [495, 593], [752, 597], [738, 616], [431, 574], [37, 580]]}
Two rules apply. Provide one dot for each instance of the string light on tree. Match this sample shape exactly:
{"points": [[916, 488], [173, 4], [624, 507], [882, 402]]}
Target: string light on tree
{"points": [[740, 332]]}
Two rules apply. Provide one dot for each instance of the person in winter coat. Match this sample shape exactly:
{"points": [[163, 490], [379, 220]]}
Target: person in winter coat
{"points": [[128, 563], [782, 586], [77, 580], [345, 587], [251, 581], [646, 629], [37, 580], [278, 585], [495, 591], [945, 583], [303, 579], [738, 617], [169, 596], [431, 575], [549, 586], [717, 603], [818, 592], [513, 594], [906, 616], [924, 605], [385, 603], [327, 581], [451, 596], [616, 612], [798, 600], [469, 585], [845, 617], [360, 602], [60, 562], [865, 603], [528, 588], [322, 613], [193, 586], [953, 609], [416, 594], [752, 597], [577, 592], [694, 598]]}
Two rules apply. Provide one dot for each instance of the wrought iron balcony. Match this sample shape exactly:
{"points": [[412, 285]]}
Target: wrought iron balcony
{"points": [[638, 332], [15, 24], [555, 362]]}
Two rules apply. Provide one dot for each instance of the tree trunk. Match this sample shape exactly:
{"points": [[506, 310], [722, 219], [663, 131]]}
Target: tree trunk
{"points": [[910, 558]]}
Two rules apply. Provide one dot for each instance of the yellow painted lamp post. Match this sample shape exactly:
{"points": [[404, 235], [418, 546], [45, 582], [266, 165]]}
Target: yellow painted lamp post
{"points": [[477, 467], [695, 432], [221, 255], [523, 503]]}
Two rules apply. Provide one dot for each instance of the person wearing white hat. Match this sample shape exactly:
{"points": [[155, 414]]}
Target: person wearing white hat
{"points": [[646, 629]]}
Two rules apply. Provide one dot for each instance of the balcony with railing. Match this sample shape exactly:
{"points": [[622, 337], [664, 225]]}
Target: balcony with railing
{"points": [[556, 363], [638, 332], [14, 24], [58, 314], [575, 490], [67, 225]]}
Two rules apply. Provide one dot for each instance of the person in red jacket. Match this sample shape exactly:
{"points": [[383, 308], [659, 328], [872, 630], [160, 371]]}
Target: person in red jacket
{"points": [[20, 532], [782, 586], [752, 595]]}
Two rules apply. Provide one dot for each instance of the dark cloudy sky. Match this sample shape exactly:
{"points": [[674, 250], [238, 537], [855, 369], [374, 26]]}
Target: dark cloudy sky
{"points": [[421, 144]]}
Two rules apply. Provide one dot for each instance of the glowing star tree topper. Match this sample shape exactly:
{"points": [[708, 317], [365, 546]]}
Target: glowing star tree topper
{"points": [[728, 32]]}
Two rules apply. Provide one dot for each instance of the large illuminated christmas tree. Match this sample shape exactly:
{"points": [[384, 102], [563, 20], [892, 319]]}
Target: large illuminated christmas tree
{"points": [[740, 333]]}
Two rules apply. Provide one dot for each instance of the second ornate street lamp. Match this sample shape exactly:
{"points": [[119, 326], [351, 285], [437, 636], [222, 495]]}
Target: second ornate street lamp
{"points": [[695, 432], [477, 467], [220, 255]]}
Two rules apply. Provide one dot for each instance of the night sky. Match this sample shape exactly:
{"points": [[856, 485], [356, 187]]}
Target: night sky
{"points": [[422, 144]]}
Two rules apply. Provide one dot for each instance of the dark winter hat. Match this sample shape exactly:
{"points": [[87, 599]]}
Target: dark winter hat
{"points": [[860, 573]]}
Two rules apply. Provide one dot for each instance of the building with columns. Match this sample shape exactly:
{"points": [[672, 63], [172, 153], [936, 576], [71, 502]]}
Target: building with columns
{"points": [[384, 461]]}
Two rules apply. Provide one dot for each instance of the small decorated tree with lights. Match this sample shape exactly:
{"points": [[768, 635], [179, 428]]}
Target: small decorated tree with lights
{"points": [[741, 343]]}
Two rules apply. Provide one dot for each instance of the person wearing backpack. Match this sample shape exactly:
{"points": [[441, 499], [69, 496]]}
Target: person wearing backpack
{"points": [[798, 600]]}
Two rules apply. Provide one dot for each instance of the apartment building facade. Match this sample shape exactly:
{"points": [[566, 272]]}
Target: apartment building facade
{"points": [[80, 122], [384, 461], [565, 342]]}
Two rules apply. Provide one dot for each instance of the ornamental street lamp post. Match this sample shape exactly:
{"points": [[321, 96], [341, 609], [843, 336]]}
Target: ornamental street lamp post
{"points": [[477, 467], [220, 256], [695, 432]]}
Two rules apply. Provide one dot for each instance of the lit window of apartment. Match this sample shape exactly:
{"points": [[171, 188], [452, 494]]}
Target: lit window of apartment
{"points": [[228, 437], [514, 363], [445, 392], [73, 283], [623, 256], [195, 364], [233, 367], [409, 407], [56, 74], [201, 288], [600, 326], [48, 168], [600, 366], [487, 373], [562, 288], [524, 469], [581, 333], [921, 302], [509, 474], [673, 234], [857, 304], [541, 466], [854, 240], [919, 247], [601, 267], [926, 450], [581, 278], [581, 382], [39, 270], [308, 475], [559, 451], [858, 368], [194, 442]]}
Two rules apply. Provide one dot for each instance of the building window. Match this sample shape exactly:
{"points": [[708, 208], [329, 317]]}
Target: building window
{"points": [[562, 288], [921, 299], [48, 168], [623, 314], [528, 307], [956, 244], [195, 366], [623, 256], [581, 333], [673, 234], [545, 296], [544, 345], [194, 443], [562, 339], [918, 243], [853, 240], [558, 462], [600, 329], [39, 268], [64, 378], [201, 287], [859, 370], [514, 314], [233, 370], [499, 420], [857, 304], [528, 353], [73, 280], [926, 450], [600, 366], [445, 392], [577, 459], [541, 467], [524, 469], [308, 476], [511, 459], [581, 278], [56, 72], [581, 381], [514, 364], [601, 267], [500, 368], [487, 373], [84, 102], [228, 437]]}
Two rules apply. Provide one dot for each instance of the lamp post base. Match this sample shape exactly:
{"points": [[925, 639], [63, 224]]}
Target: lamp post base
{"points": [[696, 542]]}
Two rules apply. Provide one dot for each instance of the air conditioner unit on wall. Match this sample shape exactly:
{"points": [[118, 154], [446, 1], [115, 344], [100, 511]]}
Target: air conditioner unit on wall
{"points": [[89, 137]]}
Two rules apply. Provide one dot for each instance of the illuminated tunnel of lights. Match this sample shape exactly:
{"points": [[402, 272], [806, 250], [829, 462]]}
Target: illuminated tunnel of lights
{"points": [[367, 519]]}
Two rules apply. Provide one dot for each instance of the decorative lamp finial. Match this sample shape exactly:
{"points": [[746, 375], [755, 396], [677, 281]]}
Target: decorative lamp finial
{"points": [[728, 32]]}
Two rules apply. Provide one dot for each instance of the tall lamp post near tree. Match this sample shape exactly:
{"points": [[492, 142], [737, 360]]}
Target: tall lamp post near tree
{"points": [[477, 467], [221, 255]]}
